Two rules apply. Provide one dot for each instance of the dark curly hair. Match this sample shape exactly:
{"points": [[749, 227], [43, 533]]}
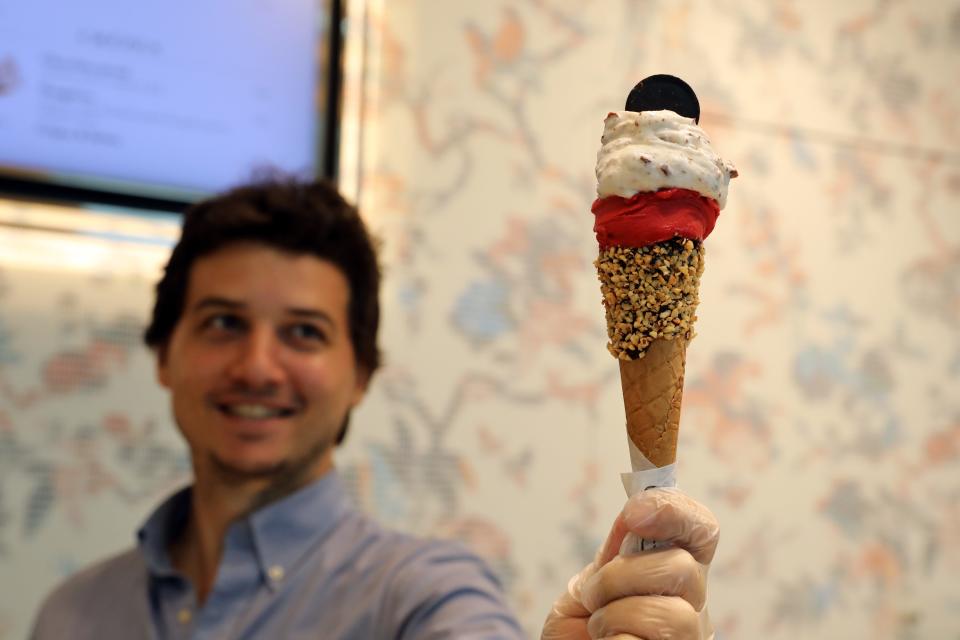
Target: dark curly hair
{"points": [[294, 216]]}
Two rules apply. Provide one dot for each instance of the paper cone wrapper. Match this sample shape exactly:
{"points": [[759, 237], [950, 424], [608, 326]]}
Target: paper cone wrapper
{"points": [[652, 394]]}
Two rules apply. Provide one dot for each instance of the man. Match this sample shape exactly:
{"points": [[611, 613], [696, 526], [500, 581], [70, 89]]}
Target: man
{"points": [[265, 333]]}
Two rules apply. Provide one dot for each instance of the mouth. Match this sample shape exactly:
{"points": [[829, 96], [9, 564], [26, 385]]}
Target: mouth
{"points": [[254, 411]]}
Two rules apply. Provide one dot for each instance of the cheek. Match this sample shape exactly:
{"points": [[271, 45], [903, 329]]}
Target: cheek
{"points": [[194, 375], [328, 380], [314, 382]]}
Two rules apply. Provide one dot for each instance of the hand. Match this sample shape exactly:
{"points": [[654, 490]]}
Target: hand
{"points": [[654, 595]]}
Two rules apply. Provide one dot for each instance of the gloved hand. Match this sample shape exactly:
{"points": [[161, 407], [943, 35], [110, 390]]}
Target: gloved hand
{"points": [[651, 595]]}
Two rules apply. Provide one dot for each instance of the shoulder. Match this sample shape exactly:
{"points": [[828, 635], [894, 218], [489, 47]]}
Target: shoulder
{"points": [[112, 576], [106, 588]]}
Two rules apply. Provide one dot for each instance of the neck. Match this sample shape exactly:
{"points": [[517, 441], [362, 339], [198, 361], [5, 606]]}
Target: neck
{"points": [[217, 502]]}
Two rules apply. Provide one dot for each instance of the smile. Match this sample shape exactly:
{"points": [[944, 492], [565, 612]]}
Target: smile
{"points": [[255, 411]]}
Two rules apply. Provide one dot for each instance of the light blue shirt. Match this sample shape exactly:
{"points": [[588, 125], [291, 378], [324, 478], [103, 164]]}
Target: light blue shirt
{"points": [[306, 566]]}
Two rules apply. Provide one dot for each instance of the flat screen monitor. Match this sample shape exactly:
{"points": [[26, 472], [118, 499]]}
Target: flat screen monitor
{"points": [[159, 103]]}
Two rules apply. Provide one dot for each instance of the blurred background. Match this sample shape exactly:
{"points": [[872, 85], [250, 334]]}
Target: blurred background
{"points": [[821, 416]]}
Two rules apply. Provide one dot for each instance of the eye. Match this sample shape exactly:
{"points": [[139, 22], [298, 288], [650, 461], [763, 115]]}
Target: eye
{"points": [[305, 332], [222, 323]]}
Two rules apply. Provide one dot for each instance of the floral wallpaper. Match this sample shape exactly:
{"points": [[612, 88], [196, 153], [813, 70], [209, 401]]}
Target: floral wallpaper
{"points": [[821, 417]]}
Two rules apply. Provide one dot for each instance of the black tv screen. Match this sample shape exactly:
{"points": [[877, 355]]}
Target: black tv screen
{"points": [[160, 103]]}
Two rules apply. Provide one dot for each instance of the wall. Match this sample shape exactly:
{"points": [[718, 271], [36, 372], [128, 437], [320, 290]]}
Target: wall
{"points": [[822, 409], [821, 417], [86, 444]]}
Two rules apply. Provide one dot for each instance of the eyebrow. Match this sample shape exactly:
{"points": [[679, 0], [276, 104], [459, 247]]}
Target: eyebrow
{"points": [[214, 301], [300, 312], [314, 314]]}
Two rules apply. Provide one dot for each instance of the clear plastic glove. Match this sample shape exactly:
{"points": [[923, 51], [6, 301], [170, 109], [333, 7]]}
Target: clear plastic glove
{"points": [[654, 595]]}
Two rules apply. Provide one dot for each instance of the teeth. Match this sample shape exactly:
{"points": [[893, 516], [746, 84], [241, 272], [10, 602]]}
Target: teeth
{"points": [[253, 411]]}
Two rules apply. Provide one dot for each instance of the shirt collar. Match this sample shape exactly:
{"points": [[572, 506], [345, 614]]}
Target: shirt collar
{"points": [[281, 532], [160, 529]]}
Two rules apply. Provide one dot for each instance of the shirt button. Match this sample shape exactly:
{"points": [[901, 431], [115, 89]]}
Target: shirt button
{"points": [[183, 616], [275, 572]]}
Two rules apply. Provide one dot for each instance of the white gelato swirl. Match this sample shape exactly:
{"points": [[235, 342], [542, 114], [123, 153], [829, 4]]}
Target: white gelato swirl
{"points": [[652, 150]]}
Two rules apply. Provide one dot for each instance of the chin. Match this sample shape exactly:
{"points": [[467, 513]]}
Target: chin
{"points": [[249, 468], [271, 463]]}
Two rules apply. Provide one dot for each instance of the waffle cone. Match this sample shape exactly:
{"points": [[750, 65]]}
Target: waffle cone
{"points": [[652, 393]]}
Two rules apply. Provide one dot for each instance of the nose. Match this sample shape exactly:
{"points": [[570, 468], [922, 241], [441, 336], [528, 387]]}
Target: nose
{"points": [[257, 366]]}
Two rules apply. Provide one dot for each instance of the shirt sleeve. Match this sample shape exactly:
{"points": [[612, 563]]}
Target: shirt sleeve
{"points": [[444, 591]]}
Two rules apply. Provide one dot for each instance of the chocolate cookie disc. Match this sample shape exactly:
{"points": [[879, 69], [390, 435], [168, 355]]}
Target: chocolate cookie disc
{"points": [[663, 91]]}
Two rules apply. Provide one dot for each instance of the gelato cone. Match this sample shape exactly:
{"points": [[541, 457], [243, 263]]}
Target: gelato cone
{"points": [[660, 188], [652, 392]]}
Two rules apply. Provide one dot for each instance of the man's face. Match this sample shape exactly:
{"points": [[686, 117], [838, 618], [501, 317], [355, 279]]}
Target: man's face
{"points": [[260, 365]]}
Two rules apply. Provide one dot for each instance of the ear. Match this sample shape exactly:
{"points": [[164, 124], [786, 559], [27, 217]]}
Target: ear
{"points": [[163, 372], [360, 386]]}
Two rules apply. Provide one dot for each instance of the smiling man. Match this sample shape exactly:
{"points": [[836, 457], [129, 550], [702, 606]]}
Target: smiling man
{"points": [[262, 373], [265, 334]]}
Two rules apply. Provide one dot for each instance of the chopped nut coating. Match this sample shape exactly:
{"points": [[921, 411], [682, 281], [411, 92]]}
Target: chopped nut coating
{"points": [[649, 293]]}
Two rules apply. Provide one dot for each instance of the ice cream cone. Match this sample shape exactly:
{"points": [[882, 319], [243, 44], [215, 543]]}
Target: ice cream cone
{"points": [[651, 296], [660, 189], [652, 393]]}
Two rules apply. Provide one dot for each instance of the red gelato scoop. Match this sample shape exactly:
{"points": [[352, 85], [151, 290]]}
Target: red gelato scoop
{"points": [[650, 217]]}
